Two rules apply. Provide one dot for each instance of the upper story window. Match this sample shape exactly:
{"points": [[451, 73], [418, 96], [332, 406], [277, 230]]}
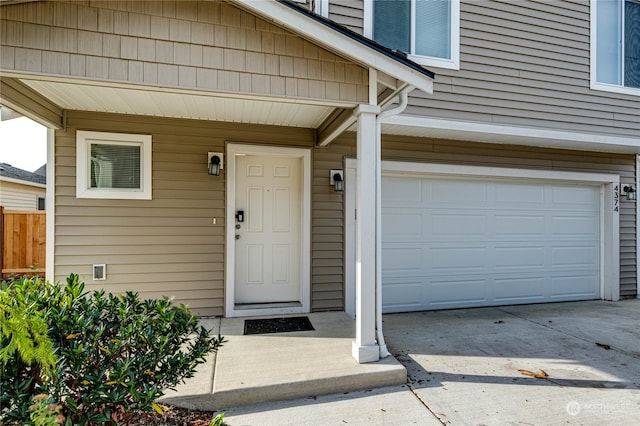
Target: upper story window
{"points": [[427, 30], [113, 165], [615, 45]]}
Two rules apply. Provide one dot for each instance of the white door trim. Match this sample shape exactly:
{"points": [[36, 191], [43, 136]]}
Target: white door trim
{"points": [[610, 218], [305, 270]]}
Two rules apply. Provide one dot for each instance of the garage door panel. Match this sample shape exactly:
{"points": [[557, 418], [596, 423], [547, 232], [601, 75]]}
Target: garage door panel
{"points": [[509, 290], [402, 224], [510, 193], [402, 260], [574, 226], [498, 243], [458, 224], [456, 193], [523, 224], [465, 292], [456, 259], [514, 257], [402, 295], [403, 190], [573, 196], [569, 287], [574, 257]]}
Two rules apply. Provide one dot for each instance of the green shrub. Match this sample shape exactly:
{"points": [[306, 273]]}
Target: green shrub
{"points": [[115, 354], [27, 359]]}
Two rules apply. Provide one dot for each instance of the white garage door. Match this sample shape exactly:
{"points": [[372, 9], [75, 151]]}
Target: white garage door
{"points": [[450, 243]]}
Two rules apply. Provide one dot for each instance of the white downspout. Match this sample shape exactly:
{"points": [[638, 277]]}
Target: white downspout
{"points": [[404, 100]]}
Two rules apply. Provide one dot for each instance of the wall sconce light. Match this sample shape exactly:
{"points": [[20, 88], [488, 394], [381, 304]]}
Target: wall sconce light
{"points": [[215, 163], [336, 179], [631, 192]]}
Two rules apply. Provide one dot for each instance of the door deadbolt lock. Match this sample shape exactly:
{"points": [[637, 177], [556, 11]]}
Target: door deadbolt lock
{"points": [[238, 226]]}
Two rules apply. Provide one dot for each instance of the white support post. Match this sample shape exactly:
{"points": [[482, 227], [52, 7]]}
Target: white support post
{"points": [[50, 207], [365, 348]]}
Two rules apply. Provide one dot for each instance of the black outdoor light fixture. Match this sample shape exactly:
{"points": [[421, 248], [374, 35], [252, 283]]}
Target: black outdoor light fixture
{"points": [[215, 163], [631, 192], [336, 179]]}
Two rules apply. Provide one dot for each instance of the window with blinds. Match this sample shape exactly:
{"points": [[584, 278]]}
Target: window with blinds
{"points": [[113, 165], [616, 45], [427, 30]]}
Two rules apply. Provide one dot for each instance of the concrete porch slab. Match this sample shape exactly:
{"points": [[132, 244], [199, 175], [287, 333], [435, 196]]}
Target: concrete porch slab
{"points": [[273, 367]]}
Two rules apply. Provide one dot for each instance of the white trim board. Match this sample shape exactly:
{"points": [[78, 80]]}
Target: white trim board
{"points": [[23, 182], [504, 134], [610, 223], [50, 207], [233, 150]]}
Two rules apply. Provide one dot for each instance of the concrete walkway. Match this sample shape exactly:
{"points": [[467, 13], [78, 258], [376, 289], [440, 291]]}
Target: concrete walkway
{"points": [[272, 367], [464, 367]]}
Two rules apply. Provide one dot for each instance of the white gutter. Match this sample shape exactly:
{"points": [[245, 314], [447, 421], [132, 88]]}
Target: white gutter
{"points": [[404, 100], [23, 182]]}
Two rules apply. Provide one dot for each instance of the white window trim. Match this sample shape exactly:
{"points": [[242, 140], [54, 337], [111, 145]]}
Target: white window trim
{"points": [[453, 63], [83, 169], [321, 7], [595, 85]]}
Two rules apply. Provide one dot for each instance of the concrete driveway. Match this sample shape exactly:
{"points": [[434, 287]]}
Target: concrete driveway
{"points": [[463, 368], [464, 364]]}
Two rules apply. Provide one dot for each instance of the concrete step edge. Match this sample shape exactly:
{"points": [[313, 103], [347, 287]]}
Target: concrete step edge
{"points": [[307, 388]]}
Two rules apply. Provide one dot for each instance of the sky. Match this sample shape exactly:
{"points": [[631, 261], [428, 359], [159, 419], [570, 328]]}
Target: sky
{"points": [[23, 143]]}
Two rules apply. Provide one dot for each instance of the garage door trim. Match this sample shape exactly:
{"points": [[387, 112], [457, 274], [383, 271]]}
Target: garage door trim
{"points": [[609, 199]]}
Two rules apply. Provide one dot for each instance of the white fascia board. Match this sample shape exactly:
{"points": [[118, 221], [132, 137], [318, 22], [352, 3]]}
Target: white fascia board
{"points": [[335, 41], [22, 182], [523, 135]]}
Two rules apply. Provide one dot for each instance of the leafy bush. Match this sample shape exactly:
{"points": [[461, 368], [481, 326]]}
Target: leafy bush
{"points": [[115, 354], [26, 352]]}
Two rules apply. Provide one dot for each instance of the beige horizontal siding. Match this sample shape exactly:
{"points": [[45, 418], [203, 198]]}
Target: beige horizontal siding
{"points": [[349, 13], [14, 196], [527, 63], [168, 245], [327, 228], [206, 45]]}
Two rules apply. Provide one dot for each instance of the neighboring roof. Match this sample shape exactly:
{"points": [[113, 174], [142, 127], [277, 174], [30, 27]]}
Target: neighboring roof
{"points": [[16, 174], [393, 54], [42, 171]]}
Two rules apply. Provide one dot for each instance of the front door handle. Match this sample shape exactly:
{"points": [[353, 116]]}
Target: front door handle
{"points": [[237, 237]]}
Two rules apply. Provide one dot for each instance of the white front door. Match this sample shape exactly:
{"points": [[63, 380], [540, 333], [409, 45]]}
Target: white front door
{"points": [[268, 239]]}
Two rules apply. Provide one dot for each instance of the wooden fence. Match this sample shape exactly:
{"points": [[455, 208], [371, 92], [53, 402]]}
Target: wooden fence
{"points": [[22, 242]]}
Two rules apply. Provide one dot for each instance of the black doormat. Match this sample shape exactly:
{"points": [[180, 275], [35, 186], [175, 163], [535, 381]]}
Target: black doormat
{"points": [[277, 325]]}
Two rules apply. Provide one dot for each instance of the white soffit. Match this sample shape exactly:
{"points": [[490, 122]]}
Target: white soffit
{"points": [[436, 128], [120, 100]]}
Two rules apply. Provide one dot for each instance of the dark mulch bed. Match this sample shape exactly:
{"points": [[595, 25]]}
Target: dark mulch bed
{"points": [[173, 416]]}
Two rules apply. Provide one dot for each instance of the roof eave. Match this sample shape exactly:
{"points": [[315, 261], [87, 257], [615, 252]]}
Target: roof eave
{"points": [[341, 40], [22, 182]]}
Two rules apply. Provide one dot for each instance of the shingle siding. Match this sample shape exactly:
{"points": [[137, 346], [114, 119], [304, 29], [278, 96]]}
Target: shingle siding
{"points": [[172, 43]]}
